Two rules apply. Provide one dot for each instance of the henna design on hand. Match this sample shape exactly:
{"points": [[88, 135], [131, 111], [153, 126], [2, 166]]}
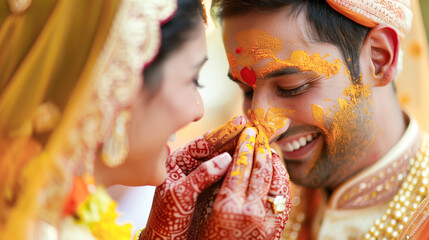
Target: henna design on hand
{"points": [[189, 172], [239, 208]]}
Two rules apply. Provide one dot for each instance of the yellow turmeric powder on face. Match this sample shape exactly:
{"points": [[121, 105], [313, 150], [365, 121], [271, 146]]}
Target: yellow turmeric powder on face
{"points": [[255, 45], [269, 121]]}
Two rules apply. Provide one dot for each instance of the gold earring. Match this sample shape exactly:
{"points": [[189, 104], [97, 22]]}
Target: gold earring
{"points": [[115, 148], [46, 117]]}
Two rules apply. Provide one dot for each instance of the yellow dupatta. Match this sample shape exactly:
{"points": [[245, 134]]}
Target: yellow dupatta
{"points": [[67, 68], [47, 52]]}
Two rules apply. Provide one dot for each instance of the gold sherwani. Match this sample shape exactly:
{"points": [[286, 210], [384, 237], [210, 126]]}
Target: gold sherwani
{"points": [[377, 203]]}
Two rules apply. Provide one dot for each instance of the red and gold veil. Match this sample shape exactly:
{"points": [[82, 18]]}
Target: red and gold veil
{"points": [[66, 69]]}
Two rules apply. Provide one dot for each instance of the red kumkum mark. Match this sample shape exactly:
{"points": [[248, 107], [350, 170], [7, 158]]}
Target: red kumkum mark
{"points": [[238, 50], [248, 76]]}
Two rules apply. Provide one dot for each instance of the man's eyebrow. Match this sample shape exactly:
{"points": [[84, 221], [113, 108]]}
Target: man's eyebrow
{"points": [[276, 73], [281, 72]]}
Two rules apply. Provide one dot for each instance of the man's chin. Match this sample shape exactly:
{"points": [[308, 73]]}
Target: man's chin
{"points": [[303, 174]]}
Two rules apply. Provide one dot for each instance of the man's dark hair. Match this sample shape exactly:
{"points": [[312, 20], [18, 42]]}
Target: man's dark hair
{"points": [[327, 25], [175, 33]]}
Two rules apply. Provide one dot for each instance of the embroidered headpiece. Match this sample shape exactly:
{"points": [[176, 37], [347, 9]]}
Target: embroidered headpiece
{"points": [[370, 13], [133, 42]]}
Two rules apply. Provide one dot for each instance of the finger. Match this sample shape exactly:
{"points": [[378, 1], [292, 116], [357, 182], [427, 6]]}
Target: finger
{"points": [[205, 175], [176, 202], [279, 187], [217, 141], [260, 178], [280, 180], [237, 179], [183, 160], [219, 137]]}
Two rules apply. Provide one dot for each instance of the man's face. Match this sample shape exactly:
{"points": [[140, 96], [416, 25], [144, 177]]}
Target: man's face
{"points": [[277, 63]]}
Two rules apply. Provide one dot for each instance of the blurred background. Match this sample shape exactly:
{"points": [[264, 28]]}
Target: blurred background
{"points": [[222, 101], [424, 5]]}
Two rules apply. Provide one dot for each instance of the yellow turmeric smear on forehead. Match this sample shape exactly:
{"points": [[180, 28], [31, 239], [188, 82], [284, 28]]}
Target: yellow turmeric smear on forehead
{"points": [[255, 45], [304, 62]]}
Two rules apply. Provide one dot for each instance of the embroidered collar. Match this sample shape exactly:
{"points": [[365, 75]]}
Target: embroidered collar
{"points": [[380, 182]]}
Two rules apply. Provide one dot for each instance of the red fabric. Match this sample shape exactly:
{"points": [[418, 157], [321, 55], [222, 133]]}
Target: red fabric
{"points": [[423, 232], [78, 194]]}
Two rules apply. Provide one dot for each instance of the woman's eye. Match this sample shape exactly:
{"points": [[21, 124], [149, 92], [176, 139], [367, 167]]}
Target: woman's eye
{"points": [[196, 82], [292, 92]]}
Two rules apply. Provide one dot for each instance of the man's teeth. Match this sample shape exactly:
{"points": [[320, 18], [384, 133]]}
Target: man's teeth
{"points": [[297, 144]]}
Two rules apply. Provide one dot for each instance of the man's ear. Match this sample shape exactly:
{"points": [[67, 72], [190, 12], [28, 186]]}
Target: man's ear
{"points": [[383, 43]]}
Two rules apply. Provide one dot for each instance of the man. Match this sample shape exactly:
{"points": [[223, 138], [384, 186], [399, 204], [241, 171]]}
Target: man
{"points": [[359, 160]]}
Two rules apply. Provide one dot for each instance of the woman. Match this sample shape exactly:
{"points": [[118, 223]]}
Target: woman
{"points": [[74, 106]]}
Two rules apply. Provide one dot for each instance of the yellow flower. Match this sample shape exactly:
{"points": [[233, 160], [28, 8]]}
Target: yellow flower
{"points": [[94, 206], [108, 229], [98, 213]]}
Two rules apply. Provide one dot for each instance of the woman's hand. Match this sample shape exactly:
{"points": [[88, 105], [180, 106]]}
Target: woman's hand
{"points": [[245, 207], [188, 174]]}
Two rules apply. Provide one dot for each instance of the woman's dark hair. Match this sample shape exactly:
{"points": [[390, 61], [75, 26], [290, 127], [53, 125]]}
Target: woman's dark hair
{"points": [[327, 25], [175, 33]]}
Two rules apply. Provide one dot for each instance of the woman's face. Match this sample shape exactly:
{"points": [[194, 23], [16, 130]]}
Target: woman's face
{"points": [[157, 115]]}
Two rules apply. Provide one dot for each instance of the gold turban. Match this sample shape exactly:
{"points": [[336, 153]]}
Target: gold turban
{"points": [[66, 67]]}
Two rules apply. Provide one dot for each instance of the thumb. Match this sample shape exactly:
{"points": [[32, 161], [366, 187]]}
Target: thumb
{"points": [[210, 172]]}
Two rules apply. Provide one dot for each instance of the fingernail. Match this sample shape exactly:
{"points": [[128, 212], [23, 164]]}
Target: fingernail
{"points": [[223, 160], [274, 151], [239, 120], [250, 131]]}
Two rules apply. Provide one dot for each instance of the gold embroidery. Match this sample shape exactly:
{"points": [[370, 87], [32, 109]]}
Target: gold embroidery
{"points": [[410, 195], [46, 117], [133, 41], [396, 13], [18, 6]]}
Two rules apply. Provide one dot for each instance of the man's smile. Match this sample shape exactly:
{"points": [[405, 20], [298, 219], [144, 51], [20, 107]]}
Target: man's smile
{"points": [[299, 146]]}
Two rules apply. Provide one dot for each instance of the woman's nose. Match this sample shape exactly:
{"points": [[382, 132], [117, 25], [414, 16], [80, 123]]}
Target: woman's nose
{"points": [[199, 109]]}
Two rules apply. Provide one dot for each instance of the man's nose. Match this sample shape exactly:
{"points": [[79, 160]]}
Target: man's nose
{"points": [[275, 111], [261, 98], [280, 131]]}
